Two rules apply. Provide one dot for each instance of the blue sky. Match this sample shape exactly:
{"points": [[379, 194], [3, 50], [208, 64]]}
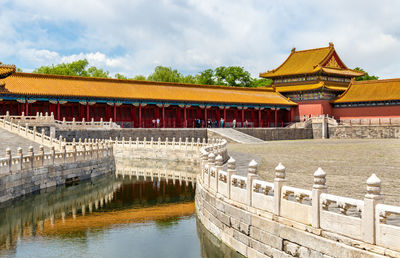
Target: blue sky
{"points": [[132, 37]]}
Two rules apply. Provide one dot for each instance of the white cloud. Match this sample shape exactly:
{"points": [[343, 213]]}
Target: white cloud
{"points": [[132, 37]]}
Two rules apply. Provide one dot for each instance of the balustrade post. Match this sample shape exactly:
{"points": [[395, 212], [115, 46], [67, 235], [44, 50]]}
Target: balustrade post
{"points": [[34, 132], [279, 181], [31, 155], [251, 175], [84, 151], [231, 171], [63, 153], [20, 157], [42, 135], [218, 165], [211, 164], [74, 149], [9, 158], [371, 199], [19, 127], [52, 154], [60, 141], [204, 158], [41, 155], [26, 129], [319, 187]]}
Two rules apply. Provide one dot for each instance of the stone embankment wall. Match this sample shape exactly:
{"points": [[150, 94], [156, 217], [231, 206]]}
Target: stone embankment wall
{"points": [[276, 134], [364, 131], [163, 133], [270, 219], [23, 174]]}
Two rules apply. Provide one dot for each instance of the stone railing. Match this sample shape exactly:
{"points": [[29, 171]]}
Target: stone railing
{"points": [[14, 163], [366, 224], [48, 120], [370, 121], [181, 150]]}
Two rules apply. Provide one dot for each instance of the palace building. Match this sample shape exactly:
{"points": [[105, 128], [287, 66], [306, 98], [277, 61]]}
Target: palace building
{"points": [[308, 82], [319, 81], [133, 103]]}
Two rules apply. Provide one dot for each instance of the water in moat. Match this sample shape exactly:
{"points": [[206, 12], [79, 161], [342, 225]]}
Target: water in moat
{"points": [[110, 216]]}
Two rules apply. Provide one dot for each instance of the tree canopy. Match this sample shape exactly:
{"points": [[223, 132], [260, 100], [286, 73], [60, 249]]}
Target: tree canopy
{"points": [[76, 68], [366, 76], [223, 75]]}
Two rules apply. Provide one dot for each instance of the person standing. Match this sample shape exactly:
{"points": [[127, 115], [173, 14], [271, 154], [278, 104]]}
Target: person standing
{"points": [[158, 122], [234, 123]]}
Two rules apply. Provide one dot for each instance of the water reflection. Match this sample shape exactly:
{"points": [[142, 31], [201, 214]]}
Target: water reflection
{"points": [[95, 217]]}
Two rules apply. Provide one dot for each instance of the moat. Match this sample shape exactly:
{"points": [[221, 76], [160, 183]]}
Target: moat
{"points": [[108, 217]]}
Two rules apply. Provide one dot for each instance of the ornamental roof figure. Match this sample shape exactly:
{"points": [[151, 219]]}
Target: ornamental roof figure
{"points": [[318, 60], [6, 70]]}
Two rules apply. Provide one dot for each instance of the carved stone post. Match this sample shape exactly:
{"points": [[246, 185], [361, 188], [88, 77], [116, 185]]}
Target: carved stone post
{"points": [[204, 158], [41, 155], [34, 132], [20, 157], [31, 155], [318, 188], [279, 181], [9, 158], [64, 153], [52, 154], [230, 172], [42, 135], [211, 163], [251, 175], [218, 165], [74, 149], [371, 199]]}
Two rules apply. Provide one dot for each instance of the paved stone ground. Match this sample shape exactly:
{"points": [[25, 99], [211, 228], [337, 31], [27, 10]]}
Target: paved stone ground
{"points": [[14, 141], [348, 163]]}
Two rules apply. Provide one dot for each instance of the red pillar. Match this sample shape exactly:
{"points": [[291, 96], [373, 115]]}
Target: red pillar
{"points": [[133, 116], [58, 111], [115, 113], [87, 112], [242, 116], [268, 117], [276, 118], [224, 116], [184, 117], [140, 115], [259, 118], [205, 116], [163, 116], [27, 108]]}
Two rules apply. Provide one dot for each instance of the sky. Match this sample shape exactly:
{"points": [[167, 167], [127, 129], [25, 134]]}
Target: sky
{"points": [[132, 37]]}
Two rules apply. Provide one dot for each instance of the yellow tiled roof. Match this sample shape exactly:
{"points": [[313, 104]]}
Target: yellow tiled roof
{"points": [[56, 85], [311, 61], [6, 70], [364, 91], [307, 87]]}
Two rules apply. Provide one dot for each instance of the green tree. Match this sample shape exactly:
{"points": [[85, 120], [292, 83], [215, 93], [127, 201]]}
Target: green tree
{"points": [[140, 78], [76, 68], [120, 76], [366, 76], [19, 70], [165, 74], [206, 77], [260, 82], [233, 76]]}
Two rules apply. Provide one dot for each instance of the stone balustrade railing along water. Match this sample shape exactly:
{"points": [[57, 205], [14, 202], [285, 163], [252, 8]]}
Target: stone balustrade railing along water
{"points": [[259, 218]]}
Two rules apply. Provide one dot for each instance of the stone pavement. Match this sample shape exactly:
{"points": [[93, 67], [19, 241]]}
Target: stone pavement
{"points": [[348, 163], [13, 141], [233, 135]]}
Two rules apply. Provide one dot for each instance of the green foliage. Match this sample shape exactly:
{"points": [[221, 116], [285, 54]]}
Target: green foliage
{"points": [[366, 76], [261, 82], [120, 76], [76, 68], [232, 76], [206, 77], [139, 78], [19, 70], [165, 74]]}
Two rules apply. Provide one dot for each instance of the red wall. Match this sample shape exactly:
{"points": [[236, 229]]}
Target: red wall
{"points": [[313, 107], [366, 112]]}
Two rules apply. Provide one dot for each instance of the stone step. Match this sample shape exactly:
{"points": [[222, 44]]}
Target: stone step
{"points": [[233, 135]]}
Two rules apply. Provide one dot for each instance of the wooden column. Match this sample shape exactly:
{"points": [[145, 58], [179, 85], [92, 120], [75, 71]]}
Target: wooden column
{"points": [[115, 113], [242, 116], [224, 116], [184, 117], [133, 116], [163, 116], [58, 111], [140, 115], [205, 116], [87, 112], [268, 117], [259, 118], [26, 108], [276, 118]]}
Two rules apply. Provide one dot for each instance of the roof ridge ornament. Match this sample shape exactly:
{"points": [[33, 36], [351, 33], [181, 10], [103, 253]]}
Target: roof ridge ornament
{"points": [[331, 44], [293, 50]]}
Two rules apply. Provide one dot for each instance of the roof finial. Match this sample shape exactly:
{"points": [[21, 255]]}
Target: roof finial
{"points": [[293, 50], [331, 44]]}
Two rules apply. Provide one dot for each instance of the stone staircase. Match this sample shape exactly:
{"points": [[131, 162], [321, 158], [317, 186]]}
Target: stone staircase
{"points": [[14, 141], [232, 135]]}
